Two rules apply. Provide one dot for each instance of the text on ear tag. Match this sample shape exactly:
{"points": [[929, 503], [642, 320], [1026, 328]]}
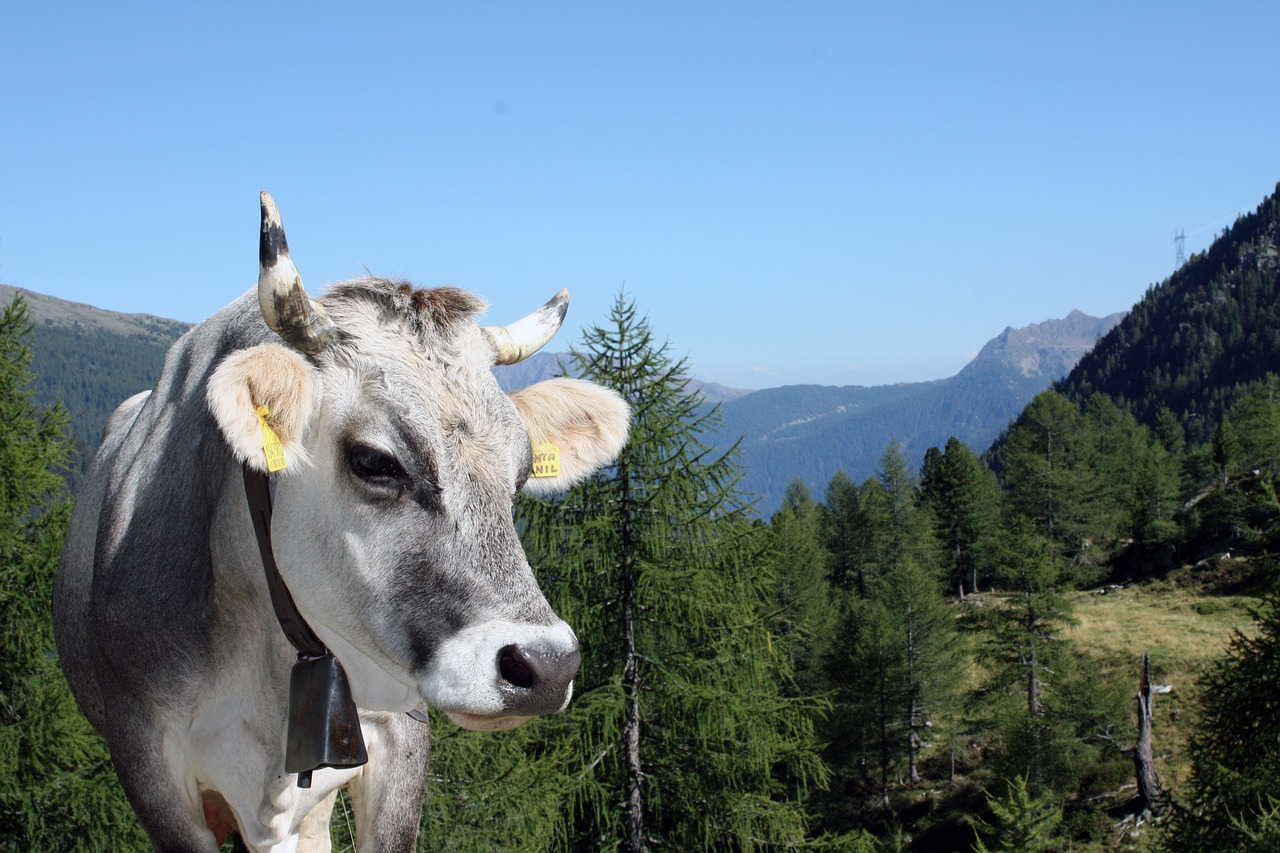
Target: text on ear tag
{"points": [[270, 442], [546, 460]]}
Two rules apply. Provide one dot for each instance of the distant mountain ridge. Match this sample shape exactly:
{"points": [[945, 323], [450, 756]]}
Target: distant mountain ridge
{"points": [[811, 432], [91, 360]]}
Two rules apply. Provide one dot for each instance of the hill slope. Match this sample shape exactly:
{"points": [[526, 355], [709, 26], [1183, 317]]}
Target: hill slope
{"points": [[1197, 341]]}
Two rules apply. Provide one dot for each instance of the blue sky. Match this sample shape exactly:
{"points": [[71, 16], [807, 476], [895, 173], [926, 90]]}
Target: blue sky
{"points": [[839, 193]]}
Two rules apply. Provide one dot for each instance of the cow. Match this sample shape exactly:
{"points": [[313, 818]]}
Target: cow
{"points": [[391, 526]]}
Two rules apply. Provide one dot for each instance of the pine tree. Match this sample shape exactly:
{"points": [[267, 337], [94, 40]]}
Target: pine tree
{"points": [[682, 733], [57, 788]]}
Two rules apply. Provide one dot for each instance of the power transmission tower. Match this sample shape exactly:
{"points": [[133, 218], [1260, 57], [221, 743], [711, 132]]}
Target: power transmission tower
{"points": [[1180, 241]]}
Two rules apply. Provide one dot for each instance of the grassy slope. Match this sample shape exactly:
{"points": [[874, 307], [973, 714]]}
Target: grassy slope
{"points": [[1183, 629]]}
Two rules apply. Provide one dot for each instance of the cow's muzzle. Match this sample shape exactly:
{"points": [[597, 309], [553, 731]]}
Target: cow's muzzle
{"points": [[533, 682]]}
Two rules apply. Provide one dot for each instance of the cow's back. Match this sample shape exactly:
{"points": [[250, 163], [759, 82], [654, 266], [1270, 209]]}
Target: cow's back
{"points": [[74, 585]]}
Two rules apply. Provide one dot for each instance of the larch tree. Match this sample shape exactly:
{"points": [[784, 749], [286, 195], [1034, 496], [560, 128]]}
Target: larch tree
{"points": [[802, 594], [1043, 700], [893, 662], [684, 732], [1050, 475]]}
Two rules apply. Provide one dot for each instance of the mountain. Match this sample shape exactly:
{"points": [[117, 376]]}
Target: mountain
{"points": [[811, 431], [1201, 339]]}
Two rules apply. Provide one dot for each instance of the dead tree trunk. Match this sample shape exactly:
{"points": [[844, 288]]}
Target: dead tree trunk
{"points": [[1154, 795]]}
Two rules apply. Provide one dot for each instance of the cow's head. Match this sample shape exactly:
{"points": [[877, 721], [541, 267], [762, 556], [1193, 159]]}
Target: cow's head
{"points": [[392, 523]]}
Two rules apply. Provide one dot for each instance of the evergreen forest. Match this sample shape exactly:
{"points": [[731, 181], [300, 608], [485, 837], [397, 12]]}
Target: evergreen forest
{"points": [[1068, 641]]}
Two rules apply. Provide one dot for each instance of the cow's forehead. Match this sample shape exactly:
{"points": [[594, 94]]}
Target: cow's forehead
{"points": [[419, 352], [442, 319]]}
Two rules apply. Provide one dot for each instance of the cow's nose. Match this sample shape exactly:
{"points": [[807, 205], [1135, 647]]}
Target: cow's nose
{"points": [[535, 682]]}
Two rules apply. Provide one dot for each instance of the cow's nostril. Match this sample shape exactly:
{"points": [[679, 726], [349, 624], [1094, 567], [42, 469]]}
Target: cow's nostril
{"points": [[514, 667]]}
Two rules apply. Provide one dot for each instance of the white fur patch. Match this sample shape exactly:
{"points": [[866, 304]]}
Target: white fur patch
{"points": [[268, 375], [588, 424], [462, 678]]}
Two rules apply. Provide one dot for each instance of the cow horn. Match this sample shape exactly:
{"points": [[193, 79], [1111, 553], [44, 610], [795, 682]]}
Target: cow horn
{"points": [[290, 313], [526, 336]]}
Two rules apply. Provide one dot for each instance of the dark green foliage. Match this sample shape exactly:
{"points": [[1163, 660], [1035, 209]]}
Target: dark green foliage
{"points": [[1020, 821], [1200, 340], [893, 663], [1234, 802], [964, 497], [1089, 479], [804, 616], [1041, 703], [57, 787], [1052, 476]]}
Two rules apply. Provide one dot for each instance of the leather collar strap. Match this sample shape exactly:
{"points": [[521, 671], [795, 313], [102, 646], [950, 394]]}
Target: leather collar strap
{"points": [[257, 488], [324, 725]]}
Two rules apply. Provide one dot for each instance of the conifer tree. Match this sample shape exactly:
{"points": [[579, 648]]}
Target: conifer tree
{"points": [[57, 788], [1153, 499], [1052, 477], [1020, 821], [839, 527], [1024, 632], [804, 607], [964, 497], [682, 733], [1233, 802], [893, 664]]}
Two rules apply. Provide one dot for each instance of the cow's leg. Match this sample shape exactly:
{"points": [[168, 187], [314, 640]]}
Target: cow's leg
{"points": [[170, 811], [313, 832], [387, 794]]}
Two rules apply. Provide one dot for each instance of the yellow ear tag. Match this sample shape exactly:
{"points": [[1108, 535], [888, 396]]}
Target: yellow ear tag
{"points": [[270, 442], [546, 460]]}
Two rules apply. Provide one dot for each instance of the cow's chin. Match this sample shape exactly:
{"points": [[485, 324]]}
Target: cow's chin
{"points": [[482, 723]]}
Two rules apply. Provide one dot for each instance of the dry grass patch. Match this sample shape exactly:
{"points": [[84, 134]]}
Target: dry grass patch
{"points": [[1184, 631]]}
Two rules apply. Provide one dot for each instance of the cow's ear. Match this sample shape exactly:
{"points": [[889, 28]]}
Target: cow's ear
{"points": [[575, 428], [267, 375]]}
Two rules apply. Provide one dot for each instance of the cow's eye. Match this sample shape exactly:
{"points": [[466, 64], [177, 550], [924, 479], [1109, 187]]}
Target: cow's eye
{"points": [[374, 466]]}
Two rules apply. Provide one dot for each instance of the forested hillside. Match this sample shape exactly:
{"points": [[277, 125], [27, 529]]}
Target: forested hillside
{"points": [[1196, 342]]}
